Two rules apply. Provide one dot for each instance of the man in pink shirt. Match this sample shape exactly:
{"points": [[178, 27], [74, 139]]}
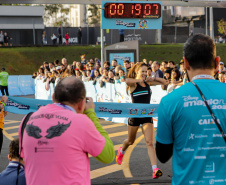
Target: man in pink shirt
{"points": [[59, 136]]}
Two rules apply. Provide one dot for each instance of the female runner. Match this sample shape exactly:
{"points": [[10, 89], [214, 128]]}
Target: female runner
{"points": [[138, 85]]}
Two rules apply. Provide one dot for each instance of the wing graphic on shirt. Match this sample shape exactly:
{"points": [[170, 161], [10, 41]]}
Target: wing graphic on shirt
{"points": [[33, 131], [57, 130]]}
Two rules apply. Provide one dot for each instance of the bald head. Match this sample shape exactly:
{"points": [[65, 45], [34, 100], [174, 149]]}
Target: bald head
{"points": [[69, 89]]}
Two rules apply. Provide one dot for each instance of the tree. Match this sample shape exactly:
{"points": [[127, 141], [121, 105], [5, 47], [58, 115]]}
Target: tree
{"points": [[56, 14], [94, 15], [222, 27]]}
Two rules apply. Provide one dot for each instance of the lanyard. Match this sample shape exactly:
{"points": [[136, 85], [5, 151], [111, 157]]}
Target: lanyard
{"points": [[65, 107], [202, 76], [210, 111]]}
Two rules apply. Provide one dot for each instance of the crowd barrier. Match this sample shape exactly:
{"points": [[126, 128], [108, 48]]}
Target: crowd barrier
{"points": [[20, 85], [109, 93]]}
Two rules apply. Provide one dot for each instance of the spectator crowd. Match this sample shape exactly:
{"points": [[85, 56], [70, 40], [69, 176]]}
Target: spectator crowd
{"points": [[112, 72]]}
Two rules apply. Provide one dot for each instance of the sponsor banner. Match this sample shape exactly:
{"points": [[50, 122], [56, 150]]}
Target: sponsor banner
{"points": [[19, 105]]}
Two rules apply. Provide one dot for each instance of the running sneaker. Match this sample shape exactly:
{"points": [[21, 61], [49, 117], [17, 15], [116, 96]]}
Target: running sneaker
{"points": [[157, 173], [119, 156]]}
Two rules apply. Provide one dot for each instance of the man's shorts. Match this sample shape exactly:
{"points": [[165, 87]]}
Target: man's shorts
{"points": [[139, 121]]}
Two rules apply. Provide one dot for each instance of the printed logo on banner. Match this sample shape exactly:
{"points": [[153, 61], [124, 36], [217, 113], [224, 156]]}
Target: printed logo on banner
{"points": [[126, 24], [112, 111], [151, 112], [19, 106], [143, 24]]}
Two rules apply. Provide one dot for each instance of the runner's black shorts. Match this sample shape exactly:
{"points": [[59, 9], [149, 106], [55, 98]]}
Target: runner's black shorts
{"points": [[139, 121]]}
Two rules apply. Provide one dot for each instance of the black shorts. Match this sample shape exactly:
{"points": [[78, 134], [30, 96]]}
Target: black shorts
{"points": [[139, 121]]}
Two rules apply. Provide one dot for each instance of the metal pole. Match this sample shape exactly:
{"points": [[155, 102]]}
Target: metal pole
{"points": [[62, 34], [33, 31], [211, 23], [101, 42], [206, 20], [102, 47], [158, 36], [175, 37], [87, 34]]}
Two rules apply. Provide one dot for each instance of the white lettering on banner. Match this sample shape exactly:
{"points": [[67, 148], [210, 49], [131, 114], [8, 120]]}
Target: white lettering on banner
{"points": [[121, 47], [126, 24], [207, 121], [71, 40]]}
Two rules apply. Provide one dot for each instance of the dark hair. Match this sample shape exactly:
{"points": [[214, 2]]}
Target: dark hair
{"points": [[69, 89], [133, 72], [51, 63], [126, 61], [115, 60], [97, 71], [165, 61], [14, 149], [41, 69], [107, 62], [200, 51], [172, 62], [56, 62], [177, 72]]}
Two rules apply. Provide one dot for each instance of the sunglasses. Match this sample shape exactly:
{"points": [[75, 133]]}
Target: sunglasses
{"points": [[91, 66]]}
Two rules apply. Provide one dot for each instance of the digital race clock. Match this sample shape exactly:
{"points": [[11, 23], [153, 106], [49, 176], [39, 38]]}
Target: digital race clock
{"points": [[131, 15], [132, 10]]}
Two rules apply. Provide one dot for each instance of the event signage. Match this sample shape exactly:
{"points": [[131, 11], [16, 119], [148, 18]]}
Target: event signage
{"points": [[132, 15], [20, 105]]}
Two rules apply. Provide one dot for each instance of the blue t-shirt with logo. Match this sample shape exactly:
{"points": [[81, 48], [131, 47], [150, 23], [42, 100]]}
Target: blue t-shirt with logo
{"points": [[199, 151]]}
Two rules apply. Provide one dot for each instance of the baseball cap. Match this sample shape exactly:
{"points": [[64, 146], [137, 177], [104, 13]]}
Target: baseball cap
{"points": [[221, 63], [58, 68], [182, 61]]}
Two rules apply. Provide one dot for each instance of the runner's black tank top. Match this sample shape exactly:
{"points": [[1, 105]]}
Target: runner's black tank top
{"points": [[141, 94]]}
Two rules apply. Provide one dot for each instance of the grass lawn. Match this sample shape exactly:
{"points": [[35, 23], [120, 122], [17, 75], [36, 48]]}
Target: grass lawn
{"points": [[26, 60]]}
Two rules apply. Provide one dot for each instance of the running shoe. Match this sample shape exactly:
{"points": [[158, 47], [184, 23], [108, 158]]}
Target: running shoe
{"points": [[119, 156], [157, 173]]}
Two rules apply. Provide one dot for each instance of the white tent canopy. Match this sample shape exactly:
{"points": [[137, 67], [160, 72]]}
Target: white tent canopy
{"points": [[190, 3]]}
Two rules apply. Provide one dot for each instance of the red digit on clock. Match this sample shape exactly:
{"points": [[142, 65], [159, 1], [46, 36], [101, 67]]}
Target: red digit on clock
{"points": [[147, 9], [120, 10], [112, 10], [156, 9], [138, 9]]}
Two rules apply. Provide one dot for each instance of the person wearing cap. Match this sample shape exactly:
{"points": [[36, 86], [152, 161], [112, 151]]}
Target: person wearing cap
{"points": [[221, 68], [4, 82]]}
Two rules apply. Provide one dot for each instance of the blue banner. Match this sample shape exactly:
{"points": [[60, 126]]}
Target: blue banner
{"points": [[120, 57], [19, 105], [26, 85]]}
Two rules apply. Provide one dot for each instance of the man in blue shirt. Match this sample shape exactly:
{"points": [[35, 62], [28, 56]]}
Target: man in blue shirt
{"points": [[10, 175], [186, 129]]}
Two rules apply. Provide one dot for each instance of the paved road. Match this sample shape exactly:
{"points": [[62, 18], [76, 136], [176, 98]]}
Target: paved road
{"points": [[136, 167]]}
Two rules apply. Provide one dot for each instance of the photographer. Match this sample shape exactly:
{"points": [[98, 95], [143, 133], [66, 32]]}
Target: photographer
{"points": [[55, 146]]}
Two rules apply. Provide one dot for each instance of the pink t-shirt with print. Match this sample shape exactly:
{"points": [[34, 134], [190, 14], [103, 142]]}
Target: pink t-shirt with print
{"points": [[56, 144]]}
